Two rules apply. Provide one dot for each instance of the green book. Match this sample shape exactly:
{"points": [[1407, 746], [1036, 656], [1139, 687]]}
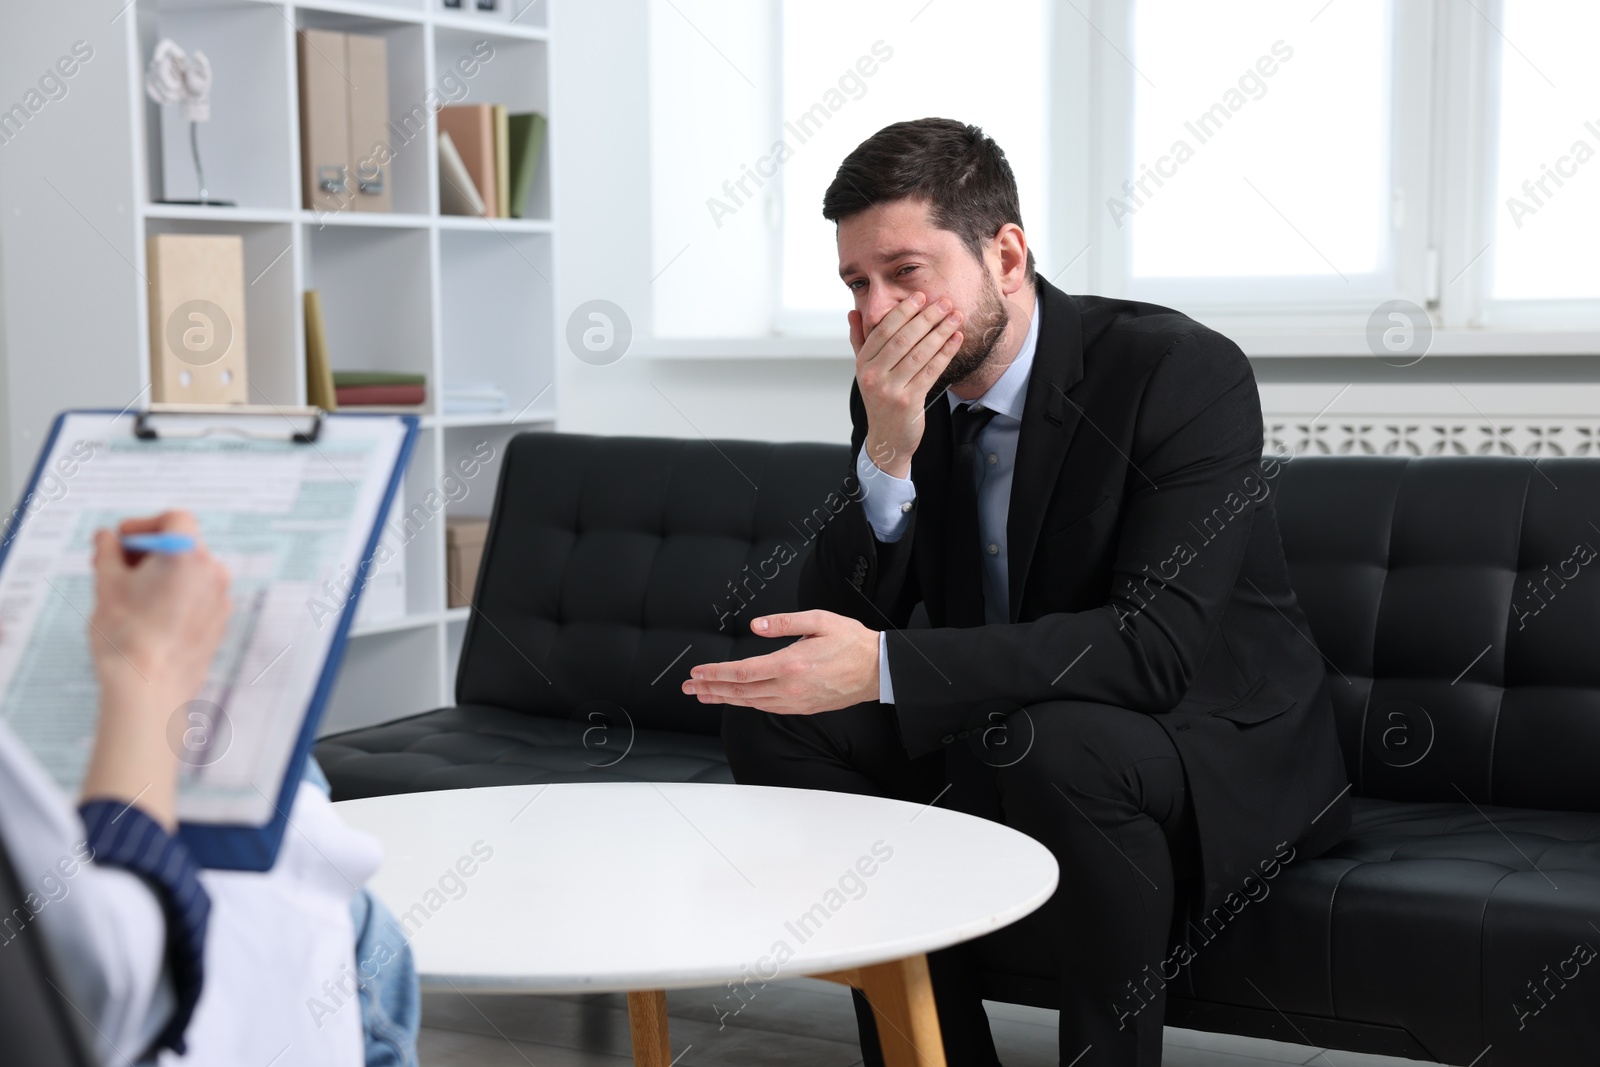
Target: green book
{"points": [[342, 378], [527, 138]]}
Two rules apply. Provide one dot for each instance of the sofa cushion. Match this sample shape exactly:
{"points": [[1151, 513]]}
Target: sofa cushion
{"points": [[1449, 597], [1423, 908], [476, 745], [615, 564]]}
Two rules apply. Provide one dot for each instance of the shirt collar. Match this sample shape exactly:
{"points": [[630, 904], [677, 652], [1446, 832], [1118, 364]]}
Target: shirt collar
{"points": [[1007, 395]]}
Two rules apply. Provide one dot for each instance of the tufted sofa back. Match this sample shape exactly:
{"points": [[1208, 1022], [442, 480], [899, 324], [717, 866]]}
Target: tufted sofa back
{"points": [[1456, 600], [614, 559]]}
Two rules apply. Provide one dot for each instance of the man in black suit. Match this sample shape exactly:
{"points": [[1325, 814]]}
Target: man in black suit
{"points": [[1115, 662]]}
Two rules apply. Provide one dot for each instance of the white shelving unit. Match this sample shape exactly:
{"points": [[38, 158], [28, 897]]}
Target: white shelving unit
{"points": [[460, 299]]}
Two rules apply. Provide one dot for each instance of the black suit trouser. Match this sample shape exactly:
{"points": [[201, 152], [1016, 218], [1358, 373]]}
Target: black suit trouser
{"points": [[1102, 787]]}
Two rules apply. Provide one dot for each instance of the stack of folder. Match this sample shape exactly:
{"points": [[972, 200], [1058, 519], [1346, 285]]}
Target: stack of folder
{"points": [[472, 398], [487, 158], [344, 114], [386, 388]]}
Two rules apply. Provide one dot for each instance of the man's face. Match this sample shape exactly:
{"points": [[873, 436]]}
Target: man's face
{"points": [[892, 250]]}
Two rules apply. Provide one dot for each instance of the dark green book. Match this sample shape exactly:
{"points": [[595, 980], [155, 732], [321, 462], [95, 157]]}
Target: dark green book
{"points": [[527, 138], [343, 378]]}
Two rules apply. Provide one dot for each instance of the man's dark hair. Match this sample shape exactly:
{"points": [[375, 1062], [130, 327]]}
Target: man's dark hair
{"points": [[956, 169]]}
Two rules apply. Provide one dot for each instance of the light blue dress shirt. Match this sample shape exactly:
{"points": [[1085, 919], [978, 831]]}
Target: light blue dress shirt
{"points": [[888, 499]]}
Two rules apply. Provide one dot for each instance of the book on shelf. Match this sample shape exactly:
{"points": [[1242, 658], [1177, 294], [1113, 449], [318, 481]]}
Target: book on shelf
{"points": [[352, 396], [526, 140], [487, 160], [364, 388], [378, 377], [502, 162], [471, 128], [457, 194], [319, 378]]}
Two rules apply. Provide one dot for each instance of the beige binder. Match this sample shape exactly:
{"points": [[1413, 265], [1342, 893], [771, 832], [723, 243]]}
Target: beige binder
{"points": [[367, 63], [197, 328], [326, 180]]}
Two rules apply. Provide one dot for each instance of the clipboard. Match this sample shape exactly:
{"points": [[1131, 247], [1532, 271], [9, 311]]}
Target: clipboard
{"points": [[219, 436]]}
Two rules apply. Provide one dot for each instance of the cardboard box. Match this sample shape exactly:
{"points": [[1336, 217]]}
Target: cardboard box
{"points": [[463, 549], [197, 330]]}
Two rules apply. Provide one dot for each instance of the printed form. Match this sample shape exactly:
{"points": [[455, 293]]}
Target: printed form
{"points": [[285, 517]]}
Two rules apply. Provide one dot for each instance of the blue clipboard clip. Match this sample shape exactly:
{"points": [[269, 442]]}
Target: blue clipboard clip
{"points": [[268, 422]]}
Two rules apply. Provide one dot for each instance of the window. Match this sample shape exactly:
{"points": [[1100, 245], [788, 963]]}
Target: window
{"points": [[1547, 171], [944, 60], [754, 105], [1273, 142], [1289, 164]]}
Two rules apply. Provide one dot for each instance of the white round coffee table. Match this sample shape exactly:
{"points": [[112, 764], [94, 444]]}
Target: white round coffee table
{"points": [[643, 887]]}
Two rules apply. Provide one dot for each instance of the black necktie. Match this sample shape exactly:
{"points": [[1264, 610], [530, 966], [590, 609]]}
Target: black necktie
{"points": [[962, 553], [968, 765]]}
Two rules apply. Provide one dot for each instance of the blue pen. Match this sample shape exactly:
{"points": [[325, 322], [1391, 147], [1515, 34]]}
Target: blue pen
{"points": [[167, 543]]}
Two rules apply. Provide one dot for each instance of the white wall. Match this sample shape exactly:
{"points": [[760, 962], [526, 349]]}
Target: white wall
{"points": [[62, 188]]}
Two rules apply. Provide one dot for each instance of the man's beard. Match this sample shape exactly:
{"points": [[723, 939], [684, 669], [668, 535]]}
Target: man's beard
{"points": [[981, 332]]}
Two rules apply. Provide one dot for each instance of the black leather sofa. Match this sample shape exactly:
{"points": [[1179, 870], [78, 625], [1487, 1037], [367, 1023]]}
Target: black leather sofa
{"points": [[1452, 598]]}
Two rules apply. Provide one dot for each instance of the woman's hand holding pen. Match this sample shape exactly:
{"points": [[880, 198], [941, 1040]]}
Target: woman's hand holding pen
{"points": [[158, 619]]}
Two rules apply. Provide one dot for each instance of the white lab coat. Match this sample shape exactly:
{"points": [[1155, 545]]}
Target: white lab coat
{"points": [[275, 939]]}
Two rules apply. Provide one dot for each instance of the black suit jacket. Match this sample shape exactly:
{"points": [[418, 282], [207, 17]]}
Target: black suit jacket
{"points": [[1144, 554]]}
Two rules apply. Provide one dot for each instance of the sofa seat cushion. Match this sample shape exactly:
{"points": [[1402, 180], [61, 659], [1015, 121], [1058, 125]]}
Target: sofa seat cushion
{"points": [[1423, 908], [476, 745]]}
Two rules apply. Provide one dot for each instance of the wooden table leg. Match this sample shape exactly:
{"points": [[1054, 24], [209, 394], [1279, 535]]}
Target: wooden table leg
{"points": [[647, 1019], [901, 996]]}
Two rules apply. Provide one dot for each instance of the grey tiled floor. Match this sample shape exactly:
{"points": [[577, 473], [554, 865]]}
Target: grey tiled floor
{"points": [[799, 1023]]}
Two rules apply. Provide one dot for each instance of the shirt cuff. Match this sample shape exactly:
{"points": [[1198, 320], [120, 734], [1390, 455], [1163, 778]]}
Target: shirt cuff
{"points": [[120, 835], [885, 686], [887, 499]]}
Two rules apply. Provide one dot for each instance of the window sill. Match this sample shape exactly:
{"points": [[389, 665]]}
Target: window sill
{"points": [[1256, 343], [754, 348]]}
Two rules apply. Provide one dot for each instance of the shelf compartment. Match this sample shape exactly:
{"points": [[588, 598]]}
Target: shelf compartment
{"points": [[271, 303], [385, 676], [246, 144], [511, 18], [517, 74], [416, 525], [376, 296], [472, 457], [496, 310], [407, 134]]}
